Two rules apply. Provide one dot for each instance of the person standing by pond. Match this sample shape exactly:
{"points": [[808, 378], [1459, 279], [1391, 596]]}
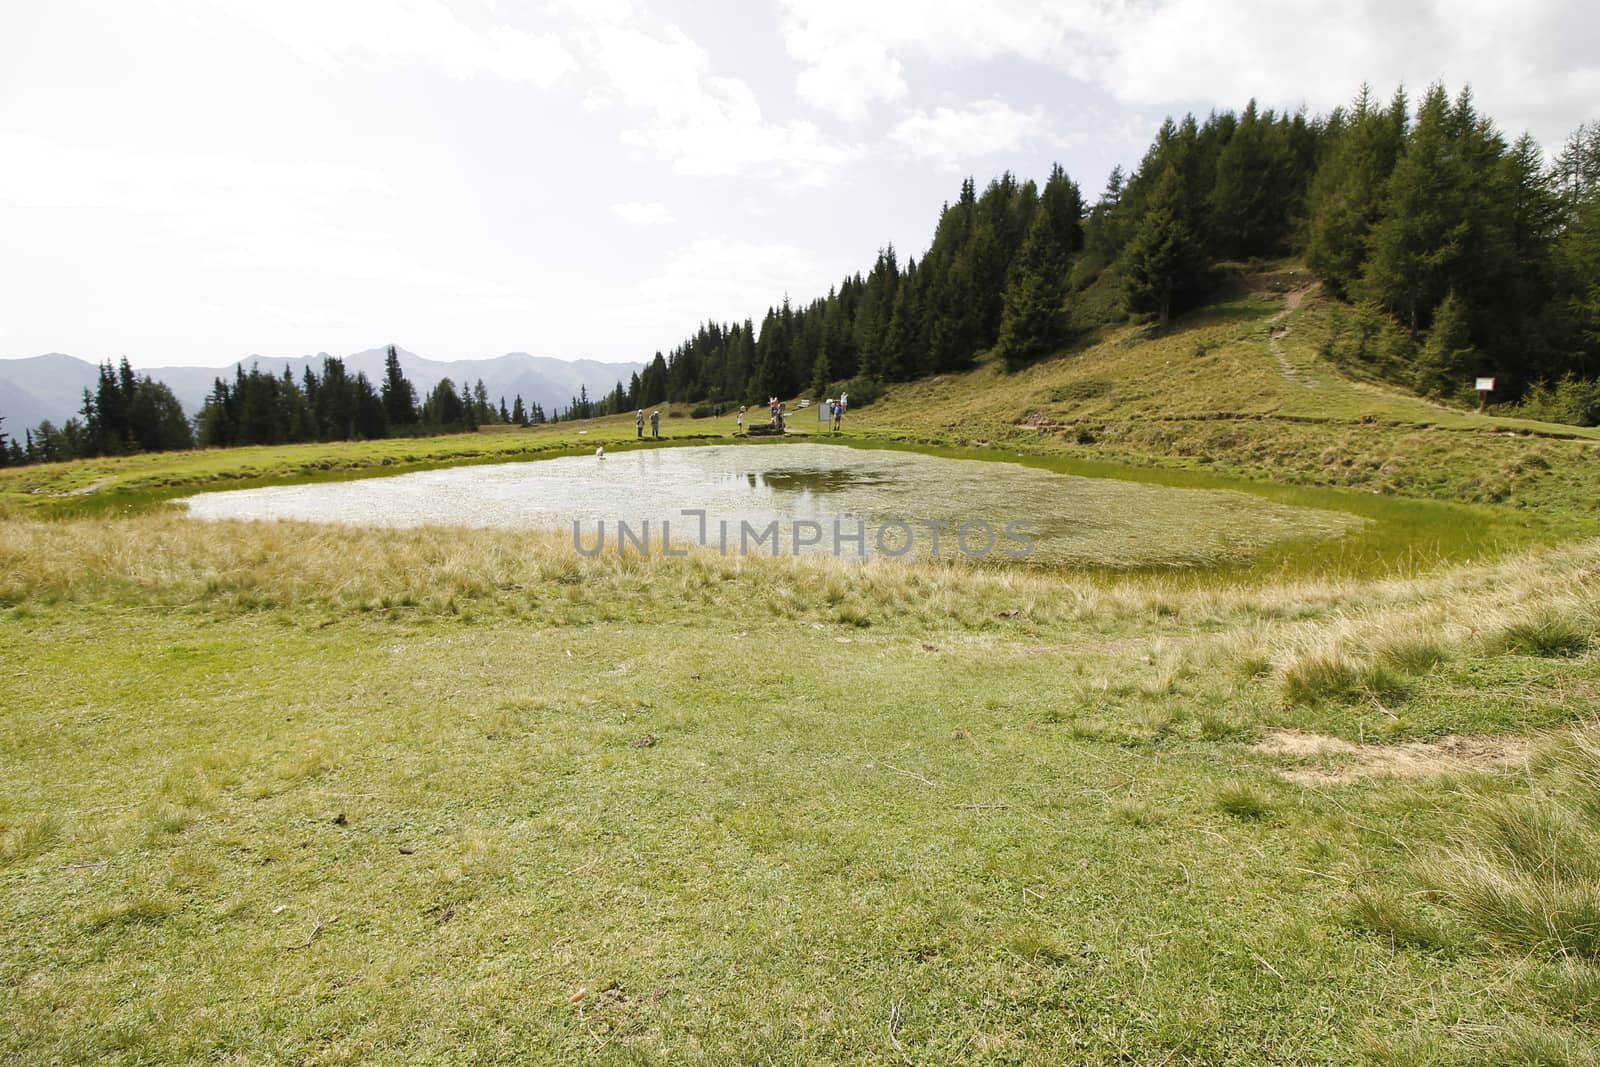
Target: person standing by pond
{"points": [[655, 423], [638, 424], [838, 415], [739, 422]]}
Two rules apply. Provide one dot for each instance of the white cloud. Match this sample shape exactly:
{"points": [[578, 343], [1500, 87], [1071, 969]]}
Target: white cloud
{"points": [[1534, 64], [244, 214], [849, 52], [700, 123], [727, 280], [331, 33], [951, 137], [642, 214], [43, 172], [845, 79]]}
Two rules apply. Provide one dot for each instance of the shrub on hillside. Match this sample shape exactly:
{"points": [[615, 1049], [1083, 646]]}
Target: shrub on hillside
{"points": [[863, 391], [1572, 400]]}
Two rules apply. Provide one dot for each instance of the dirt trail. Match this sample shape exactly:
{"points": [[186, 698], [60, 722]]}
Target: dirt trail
{"points": [[1291, 373]]}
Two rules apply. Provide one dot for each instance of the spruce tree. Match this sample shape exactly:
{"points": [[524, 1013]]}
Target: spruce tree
{"points": [[1030, 323], [399, 396], [1347, 192], [1448, 358], [1165, 260], [1418, 241], [1251, 196], [820, 375]]}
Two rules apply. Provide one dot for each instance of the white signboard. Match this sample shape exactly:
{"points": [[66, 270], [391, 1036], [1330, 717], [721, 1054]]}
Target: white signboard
{"points": [[1485, 385]]}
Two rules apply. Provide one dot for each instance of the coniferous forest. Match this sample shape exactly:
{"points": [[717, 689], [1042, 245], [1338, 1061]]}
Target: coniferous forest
{"points": [[1455, 251]]}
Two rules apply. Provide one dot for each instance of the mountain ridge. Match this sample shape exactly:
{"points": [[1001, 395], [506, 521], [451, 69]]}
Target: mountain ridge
{"points": [[50, 386]]}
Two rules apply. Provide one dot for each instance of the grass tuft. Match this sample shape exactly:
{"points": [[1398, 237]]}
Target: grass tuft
{"points": [[141, 910], [1524, 871], [1242, 801], [1548, 631], [29, 836], [1403, 920], [1531, 1044]]}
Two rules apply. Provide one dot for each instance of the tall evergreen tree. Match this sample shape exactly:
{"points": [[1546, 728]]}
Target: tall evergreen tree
{"points": [[1036, 285], [1448, 358], [1164, 261], [1347, 192], [1419, 241], [1251, 197], [399, 396]]}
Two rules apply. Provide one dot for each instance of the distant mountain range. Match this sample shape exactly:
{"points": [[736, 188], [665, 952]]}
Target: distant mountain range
{"points": [[51, 386]]}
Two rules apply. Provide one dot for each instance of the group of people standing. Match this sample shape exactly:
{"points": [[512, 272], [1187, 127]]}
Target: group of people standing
{"points": [[776, 414], [836, 410]]}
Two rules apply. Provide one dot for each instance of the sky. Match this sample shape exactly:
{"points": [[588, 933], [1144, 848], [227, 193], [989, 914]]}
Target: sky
{"points": [[195, 181]]}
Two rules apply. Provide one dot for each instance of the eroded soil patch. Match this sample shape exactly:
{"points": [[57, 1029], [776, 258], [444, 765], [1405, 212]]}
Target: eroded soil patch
{"points": [[1338, 762]]}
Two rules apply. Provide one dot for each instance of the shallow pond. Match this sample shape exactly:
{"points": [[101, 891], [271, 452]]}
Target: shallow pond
{"points": [[821, 498]]}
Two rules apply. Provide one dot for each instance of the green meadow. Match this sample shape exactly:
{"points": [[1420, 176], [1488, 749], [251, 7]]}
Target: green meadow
{"points": [[299, 793]]}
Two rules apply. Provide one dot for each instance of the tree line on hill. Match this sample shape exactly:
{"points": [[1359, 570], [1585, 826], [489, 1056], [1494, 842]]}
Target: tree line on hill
{"points": [[265, 409], [128, 413], [1455, 254]]}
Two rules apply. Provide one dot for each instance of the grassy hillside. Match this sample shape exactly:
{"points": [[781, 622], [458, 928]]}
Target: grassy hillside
{"points": [[1240, 387], [293, 793]]}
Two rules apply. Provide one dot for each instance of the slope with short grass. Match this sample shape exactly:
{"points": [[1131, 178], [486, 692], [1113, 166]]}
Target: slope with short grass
{"points": [[1240, 386]]}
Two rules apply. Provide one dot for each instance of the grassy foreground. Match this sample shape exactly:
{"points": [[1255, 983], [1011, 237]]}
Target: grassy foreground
{"points": [[290, 793]]}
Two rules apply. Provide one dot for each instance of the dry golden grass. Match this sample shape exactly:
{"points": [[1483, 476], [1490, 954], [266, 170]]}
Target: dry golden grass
{"points": [[1369, 640]]}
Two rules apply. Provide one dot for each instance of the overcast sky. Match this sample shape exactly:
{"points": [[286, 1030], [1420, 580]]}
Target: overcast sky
{"points": [[193, 181]]}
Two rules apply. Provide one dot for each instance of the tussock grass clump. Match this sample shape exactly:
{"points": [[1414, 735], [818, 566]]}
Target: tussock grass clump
{"points": [[1530, 1044], [28, 836], [1220, 726], [1379, 643], [1551, 630], [142, 909], [1134, 811], [1569, 988], [1523, 873], [1242, 800], [1405, 920], [1332, 677]]}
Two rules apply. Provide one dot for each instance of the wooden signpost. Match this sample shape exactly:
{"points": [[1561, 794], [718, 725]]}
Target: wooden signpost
{"points": [[1485, 387]]}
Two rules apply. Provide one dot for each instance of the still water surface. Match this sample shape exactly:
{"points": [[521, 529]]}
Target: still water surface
{"points": [[819, 492]]}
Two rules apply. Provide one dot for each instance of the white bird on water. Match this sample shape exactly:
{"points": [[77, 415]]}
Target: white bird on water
{"points": [[600, 453]]}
